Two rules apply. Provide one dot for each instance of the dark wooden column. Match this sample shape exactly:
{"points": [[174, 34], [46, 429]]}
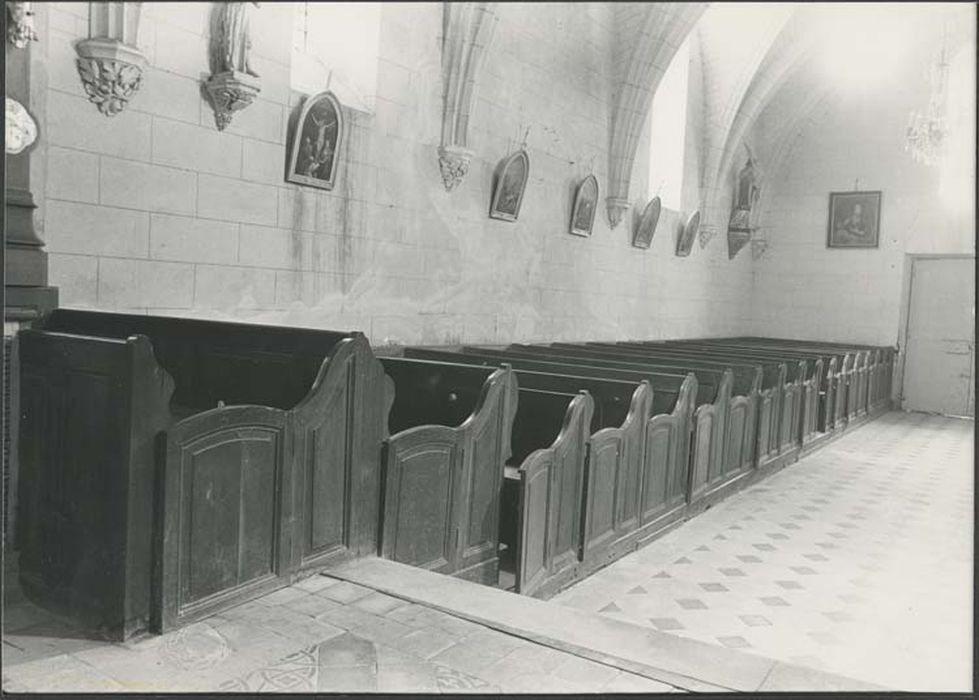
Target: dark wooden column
{"points": [[28, 296]]}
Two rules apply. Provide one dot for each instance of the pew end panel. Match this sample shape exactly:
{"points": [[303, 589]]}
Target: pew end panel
{"points": [[551, 491], [613, 485], [227, 512], [338, 433], [91, 409], [665, 464], [443, 482]]}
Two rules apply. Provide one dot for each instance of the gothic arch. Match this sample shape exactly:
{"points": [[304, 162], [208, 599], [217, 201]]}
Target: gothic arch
{"points": [[648, 36], [467, 30]]}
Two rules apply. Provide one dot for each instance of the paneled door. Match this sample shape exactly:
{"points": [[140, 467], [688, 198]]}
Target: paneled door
{"points": [[938, 369]]}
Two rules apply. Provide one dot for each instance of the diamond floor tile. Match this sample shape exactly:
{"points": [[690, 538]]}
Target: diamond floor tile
{"points": [[856, 560]]}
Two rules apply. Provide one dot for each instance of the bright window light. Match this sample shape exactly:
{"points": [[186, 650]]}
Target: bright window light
{"points": [[668, 123]]}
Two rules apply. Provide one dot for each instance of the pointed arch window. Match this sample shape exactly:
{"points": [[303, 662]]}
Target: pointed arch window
{"points": [[668, 125]]}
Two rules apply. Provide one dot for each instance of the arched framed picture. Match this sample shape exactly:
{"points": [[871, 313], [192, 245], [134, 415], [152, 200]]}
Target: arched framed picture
{"points": [[647, 224], [687, 235], [315, 140], [585, 204], [509, 182]]}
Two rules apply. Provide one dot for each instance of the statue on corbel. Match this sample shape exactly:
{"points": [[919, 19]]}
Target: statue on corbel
{"points": [[739, 229], [233, 84], [109, 64], [20, 24]]}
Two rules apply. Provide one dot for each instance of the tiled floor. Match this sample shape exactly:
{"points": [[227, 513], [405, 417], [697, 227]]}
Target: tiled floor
{"points": [[320, 635], [856, 560]]}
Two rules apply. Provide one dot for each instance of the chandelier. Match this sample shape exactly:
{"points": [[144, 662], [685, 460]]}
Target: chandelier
{"points": [[927, 130]]}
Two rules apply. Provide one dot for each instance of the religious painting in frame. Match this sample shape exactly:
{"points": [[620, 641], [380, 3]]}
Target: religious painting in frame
{"points": [[647, 224], [585, 204], [316, 139], [509, 182], [854, 220], [687, 235]]}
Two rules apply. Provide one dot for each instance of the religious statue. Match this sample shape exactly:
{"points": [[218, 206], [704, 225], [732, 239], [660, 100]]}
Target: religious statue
{"points": [[745, 197], [233, 84], [234, 38]]}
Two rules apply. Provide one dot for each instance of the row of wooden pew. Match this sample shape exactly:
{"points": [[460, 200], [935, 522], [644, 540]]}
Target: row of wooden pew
{"points": [[171, 468], [614, 442]]}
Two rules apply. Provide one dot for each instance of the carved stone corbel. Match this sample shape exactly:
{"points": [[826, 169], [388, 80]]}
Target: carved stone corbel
{"points": [[233, 84], [616, 207], [706, 234], [758, 248], [454, 163], [467, 30], [20, 27], [229, 93], [109, 64]]}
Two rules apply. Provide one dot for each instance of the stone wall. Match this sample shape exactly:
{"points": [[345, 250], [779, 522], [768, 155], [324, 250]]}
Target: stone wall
{"points": [[156, 211]]}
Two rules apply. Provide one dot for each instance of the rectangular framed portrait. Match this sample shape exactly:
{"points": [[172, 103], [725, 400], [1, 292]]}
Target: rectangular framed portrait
{"points": [[854, 220], [316, 143]]}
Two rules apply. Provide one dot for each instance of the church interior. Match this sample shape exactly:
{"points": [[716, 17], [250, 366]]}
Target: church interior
{"points": [[489, 347]]}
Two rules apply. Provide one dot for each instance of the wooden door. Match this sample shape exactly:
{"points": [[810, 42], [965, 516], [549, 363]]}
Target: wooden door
{"points": [[939, 340]]}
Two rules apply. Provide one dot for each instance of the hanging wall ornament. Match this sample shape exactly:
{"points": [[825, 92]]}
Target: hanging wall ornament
{"points": [[109, 64], [315, 142], [687, 235], [584, 206], [509, 182], [233, 84], [647, 224]]}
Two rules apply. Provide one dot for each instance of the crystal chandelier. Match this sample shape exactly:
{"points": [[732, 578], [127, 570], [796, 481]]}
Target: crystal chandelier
{"points": [[927, 130]]}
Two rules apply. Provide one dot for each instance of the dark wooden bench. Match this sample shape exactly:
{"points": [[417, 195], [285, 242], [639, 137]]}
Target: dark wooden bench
{"points": [[724, 429], [174, 467], [450, 428], [615, 474], [834, 384], [752, 431], [880, 364], [794, 382]]}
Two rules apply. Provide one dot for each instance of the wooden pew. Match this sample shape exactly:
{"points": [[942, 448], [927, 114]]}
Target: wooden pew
{"points": [[797, 409], [450, 431], [734, 453], [880, 365], [709, 476], [752, 434], [172, 468], [633, 473], [844, 394]]}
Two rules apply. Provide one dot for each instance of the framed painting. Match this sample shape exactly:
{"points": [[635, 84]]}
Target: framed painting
{"points": [[687, 235], [647, 224], [585, 204], [509, 182], [854, 220], [315, 140]]}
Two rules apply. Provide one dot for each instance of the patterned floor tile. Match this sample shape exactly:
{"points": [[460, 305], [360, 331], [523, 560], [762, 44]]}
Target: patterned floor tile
{"points": [[873, 525]]}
